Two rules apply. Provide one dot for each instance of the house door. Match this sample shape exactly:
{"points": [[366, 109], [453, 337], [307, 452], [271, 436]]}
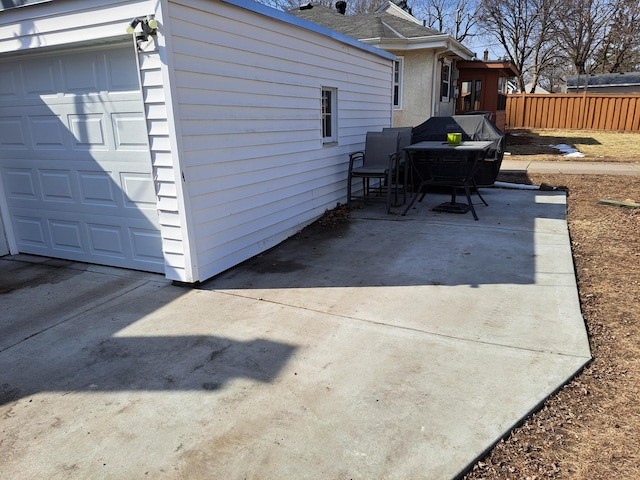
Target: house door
{"points": [[74, 158], [471, 94]]}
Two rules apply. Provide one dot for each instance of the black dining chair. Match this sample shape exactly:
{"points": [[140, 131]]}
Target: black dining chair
{"points": [[377, 162], [402, 177]]}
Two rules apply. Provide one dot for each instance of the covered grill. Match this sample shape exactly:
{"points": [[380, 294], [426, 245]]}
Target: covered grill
{"points": [[472, 127]]}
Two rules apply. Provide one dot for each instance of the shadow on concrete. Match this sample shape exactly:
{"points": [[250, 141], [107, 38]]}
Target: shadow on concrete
{"points": [[63, 329], [526, 142], [424, 248]]}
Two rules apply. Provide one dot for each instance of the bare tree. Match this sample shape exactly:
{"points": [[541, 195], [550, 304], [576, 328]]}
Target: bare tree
{"points": [[353, 6], [525, 30], [581, 29], [620, 50], [286, 5], [553, 75], [459, 19], [359, 7]]}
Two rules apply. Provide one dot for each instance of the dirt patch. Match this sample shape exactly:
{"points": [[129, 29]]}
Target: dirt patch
{"points": [[263, 265], [590, 429], [334, 223], [28, 275], [538, 145]]}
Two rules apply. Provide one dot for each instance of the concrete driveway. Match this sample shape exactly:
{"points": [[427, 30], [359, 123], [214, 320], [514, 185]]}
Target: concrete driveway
{"points": [[389, 347]]}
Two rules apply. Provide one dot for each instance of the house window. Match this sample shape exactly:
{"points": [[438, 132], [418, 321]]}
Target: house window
{"points": [[502, 93], [470, 91], [329, 115], [445, 82], [397, 83]]}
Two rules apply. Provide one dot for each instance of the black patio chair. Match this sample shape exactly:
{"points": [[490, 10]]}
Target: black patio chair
{"points": [[378, 161], [401, 174]]}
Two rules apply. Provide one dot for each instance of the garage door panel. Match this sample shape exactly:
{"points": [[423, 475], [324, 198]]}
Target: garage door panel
{"points": [[138, 191], [72, 127], [81, 74], [75, 161], [106, 240], [97, 189], [81, 191], [48, 133], [129, 131], [88, 131], [10, 87], [13, 133], [66, 235], [38, 76], [129, 243], [58, 186], [119, 74], [20, 184], [31, 232], [146, 244]]}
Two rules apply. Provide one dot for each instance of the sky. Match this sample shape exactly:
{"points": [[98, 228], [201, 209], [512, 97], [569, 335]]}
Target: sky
{"points": [[479, 44]]}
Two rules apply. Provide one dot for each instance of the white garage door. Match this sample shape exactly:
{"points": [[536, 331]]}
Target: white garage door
{"points": [[74, 158]]}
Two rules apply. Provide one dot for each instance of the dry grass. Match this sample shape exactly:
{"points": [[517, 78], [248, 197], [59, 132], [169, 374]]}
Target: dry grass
{"points": [[590, 430], [596, 145]]}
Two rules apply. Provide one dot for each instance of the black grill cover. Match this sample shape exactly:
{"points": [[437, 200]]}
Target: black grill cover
{"points": [[472, 127]]}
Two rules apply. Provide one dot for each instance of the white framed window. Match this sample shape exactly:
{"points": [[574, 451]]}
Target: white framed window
{"points": [[329, 115], [445, 81], [398, 65]]}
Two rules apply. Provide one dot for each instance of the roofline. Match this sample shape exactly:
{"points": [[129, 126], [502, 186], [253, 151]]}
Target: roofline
{"points": [[489, 65], [290, 19], [417, 43], [406, 15], [632, 79], [601, 85], [24, 3]]}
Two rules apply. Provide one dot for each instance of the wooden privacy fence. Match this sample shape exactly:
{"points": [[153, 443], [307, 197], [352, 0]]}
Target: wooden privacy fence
{"points": [[588, 111]]}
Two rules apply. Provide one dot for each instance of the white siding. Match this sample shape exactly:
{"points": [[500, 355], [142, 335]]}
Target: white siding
{"points": [[170, 209], [247, 97], [232, 95], [62, 22]]}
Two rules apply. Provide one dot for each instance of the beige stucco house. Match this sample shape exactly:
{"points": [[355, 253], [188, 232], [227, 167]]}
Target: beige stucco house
{"points": [[425, 69]]}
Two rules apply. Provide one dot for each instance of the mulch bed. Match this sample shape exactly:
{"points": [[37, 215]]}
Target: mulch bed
{"points": [[590, 429]]}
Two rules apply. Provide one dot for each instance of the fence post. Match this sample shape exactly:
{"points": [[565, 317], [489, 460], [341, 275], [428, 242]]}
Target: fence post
{"points": [[583, 106], [522, 104]]}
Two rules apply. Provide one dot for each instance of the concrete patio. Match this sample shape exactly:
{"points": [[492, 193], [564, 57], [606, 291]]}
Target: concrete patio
{"points": [[387, 347]]}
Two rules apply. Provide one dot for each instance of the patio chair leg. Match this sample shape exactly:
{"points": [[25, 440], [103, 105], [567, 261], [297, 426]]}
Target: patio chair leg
{"points": [[365, 190], [389, 191], [424, 193], [467, 190], [475, 186]]}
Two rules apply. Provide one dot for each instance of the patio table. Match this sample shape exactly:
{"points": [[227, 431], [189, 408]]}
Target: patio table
{"points": [[438, 163]]}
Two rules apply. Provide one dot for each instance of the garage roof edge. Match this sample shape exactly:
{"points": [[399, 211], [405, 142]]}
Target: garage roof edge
{"points": [[267, 11], [9, 4]]}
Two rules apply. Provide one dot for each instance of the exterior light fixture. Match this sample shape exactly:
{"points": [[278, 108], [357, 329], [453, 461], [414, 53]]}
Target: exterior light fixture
{"points": [[151, 23], [132, 26], [149, 27]]}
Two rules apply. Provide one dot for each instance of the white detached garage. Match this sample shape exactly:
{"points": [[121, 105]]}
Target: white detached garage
{"points": [[214, 138]]}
